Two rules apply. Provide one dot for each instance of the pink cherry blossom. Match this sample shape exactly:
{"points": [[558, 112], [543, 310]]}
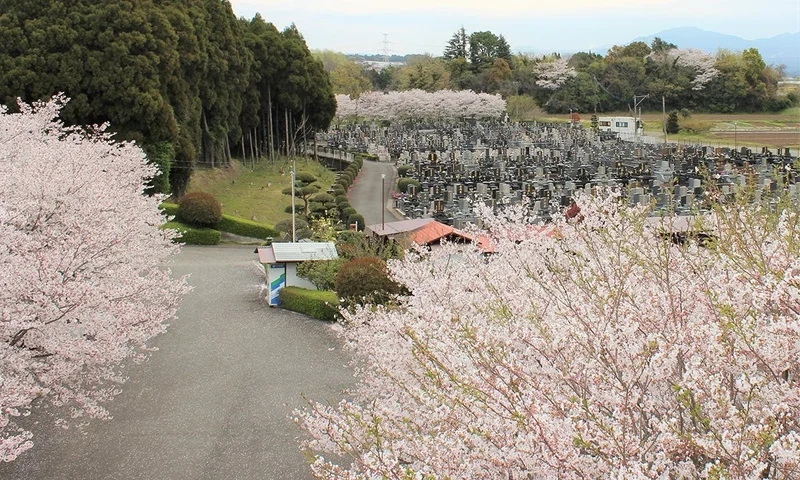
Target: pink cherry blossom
{"points": [[581, 349], [83, 283]]}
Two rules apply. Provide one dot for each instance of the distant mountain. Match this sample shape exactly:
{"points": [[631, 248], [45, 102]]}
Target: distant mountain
{"points": [[783, 49]]}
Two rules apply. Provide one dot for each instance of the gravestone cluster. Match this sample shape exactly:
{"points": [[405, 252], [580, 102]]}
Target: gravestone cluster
{"points": [[460, 165]]}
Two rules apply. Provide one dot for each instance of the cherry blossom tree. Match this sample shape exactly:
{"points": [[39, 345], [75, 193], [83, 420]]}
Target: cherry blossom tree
{"points": [[594, 347], [699, 62], [551, 75], [419, 104], [83, 283]]}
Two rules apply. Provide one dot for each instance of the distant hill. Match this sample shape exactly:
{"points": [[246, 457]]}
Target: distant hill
{"points": [[783, 49]]}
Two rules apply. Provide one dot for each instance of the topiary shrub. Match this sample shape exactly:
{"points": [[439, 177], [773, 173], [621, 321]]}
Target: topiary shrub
{"points": [[340, 199], [403, 170], [358, 219], [673, 125], [199, 209], [403, 183], [365, 280], [322, 198], [319, 304], [193, 236], [347, 211]]}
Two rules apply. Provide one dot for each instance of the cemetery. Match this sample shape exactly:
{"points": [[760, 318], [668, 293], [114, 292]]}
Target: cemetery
{"points": [[448, 167]]}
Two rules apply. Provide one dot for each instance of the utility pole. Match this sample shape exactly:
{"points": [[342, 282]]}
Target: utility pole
{"points": [[294, 236], [637, 100], [664, 117]]}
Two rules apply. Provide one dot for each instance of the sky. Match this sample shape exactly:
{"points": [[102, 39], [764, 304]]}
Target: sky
{"points": [[424, 26]]}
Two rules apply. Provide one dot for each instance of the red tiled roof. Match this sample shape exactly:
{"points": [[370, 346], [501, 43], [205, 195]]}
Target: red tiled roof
{"points": [[430, 233]]}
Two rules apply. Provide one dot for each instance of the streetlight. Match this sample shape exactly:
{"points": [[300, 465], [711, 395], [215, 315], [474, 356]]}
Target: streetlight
{"points": [[294, 235], [735, 142], [383, 199]]}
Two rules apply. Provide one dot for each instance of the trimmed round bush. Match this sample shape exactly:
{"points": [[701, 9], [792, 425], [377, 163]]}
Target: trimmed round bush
{"points": [[347, 211], [322, 198], [365, 280], [403, 183], [199, 209], [403, 170], [358, 219]]}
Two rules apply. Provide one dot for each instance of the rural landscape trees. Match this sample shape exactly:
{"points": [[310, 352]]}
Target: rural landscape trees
{"points": [[722, 81], [591, 348], [83, 283]]}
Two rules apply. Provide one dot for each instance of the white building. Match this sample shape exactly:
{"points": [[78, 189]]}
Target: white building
{"points": [[626, 128], [280, 262]]}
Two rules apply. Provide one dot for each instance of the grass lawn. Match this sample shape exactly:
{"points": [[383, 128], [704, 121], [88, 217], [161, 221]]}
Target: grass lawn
{"points": [[254, 193]]}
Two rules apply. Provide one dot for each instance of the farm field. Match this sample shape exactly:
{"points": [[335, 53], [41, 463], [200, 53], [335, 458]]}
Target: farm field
{"points": [[772, 130], [254, 192]]}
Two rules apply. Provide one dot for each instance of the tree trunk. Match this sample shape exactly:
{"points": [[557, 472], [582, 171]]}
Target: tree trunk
{"points": [[208, 144], [244, 152], [286, 128], [305, 141], [252, 149], [271, 125]]}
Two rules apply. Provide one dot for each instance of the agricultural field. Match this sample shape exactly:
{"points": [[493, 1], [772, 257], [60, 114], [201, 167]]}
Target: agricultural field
{"points": [[772, 130], [254, 191]]}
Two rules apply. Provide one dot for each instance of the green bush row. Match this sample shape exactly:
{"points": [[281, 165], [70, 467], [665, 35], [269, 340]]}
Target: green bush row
{"points": [[231, 224], [319, 304], [194, 236], [246, 228], [170, 209]]}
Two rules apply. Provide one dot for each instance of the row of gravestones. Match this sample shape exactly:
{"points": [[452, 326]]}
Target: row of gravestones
{"points": [[507, 163]]}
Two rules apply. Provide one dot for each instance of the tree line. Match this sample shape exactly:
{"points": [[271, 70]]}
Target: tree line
{"points": [[186, 79], [725, 81]]}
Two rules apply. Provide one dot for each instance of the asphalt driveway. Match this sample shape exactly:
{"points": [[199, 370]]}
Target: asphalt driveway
{"points": [[214, 402]]}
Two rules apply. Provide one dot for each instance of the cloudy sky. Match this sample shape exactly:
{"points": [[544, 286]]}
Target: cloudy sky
{"points": [[424, 26]]}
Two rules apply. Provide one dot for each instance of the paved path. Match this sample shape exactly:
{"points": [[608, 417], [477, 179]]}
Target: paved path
{"points": [[214, 401], [366, 195]]}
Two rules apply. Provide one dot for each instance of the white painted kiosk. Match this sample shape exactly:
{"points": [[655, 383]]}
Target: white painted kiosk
{"points": [[280, 262]]}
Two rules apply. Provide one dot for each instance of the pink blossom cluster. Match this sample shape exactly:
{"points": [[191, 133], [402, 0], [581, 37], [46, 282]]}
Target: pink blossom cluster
{"points": [[82, 280], [419, 104], [700, 62], [590, 348], [551, 75]]}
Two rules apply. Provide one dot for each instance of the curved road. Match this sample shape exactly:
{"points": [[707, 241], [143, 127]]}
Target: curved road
{"points": [[367, 197], [214, 402]]}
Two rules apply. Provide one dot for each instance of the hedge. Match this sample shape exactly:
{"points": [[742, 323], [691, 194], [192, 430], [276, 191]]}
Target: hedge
{"points": [[246, 228], [319, 304], [194, 236], [170, 209], [231, 224]]}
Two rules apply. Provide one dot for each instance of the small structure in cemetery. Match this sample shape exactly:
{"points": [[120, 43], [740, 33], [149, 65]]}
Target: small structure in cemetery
{"points": [[424, 232], [280, 262]]}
